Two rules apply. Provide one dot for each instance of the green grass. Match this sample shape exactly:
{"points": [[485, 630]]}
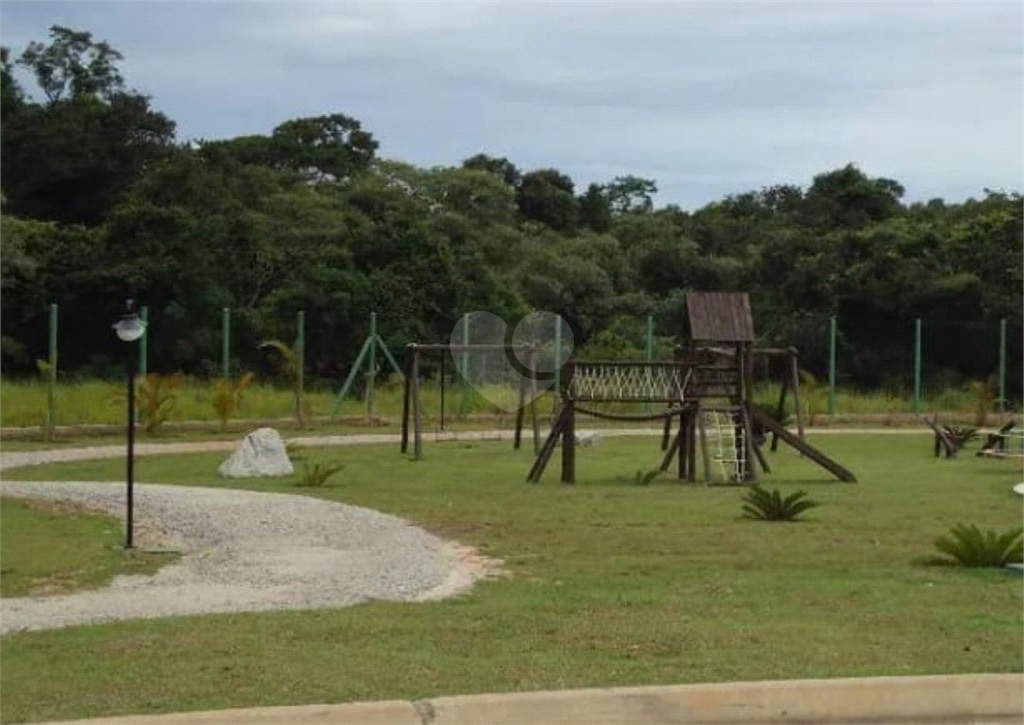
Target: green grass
{"points": [[58, 547], [611, 584], [23, 404]]}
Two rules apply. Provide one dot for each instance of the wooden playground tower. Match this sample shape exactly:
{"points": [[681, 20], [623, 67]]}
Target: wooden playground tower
{"points": [[710, 382]]}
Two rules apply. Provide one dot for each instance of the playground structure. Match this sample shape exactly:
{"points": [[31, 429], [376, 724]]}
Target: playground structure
{"points": [[710, 382], [950, 440], [412, 401]]}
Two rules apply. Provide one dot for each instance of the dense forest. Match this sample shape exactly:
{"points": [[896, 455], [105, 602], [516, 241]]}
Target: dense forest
{"points": [[101, 201]]}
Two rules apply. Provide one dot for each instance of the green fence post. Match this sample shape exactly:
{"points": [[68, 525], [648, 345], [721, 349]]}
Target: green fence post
{"points": [[1002, 365], [558, 356], [832, 365], [917, 365], [300, 354], [371, 376], [649, 351], [51, 390], [225, 350], [464, 368]]}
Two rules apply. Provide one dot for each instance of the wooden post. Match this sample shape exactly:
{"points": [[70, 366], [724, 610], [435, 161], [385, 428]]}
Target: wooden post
{"points": [[691, 445], [750, 470], [417, 406], [443, 356], [533, 400], [569, 442], [795, 382], [666, 461], [405, 397], [781, 408], [684, 440], [541, 461], [705, 458], [520, 412], [666, 433]]}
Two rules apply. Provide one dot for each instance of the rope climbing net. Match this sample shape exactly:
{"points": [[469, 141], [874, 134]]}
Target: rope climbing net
{"points": [[627, 382], [730, 457]]}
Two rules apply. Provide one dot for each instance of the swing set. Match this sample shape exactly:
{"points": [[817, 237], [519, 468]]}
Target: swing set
{"points": [[708, 384]]}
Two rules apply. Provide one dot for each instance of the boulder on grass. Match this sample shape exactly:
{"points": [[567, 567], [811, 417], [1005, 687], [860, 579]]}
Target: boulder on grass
{"points": [[260, 454], [587, 438]]}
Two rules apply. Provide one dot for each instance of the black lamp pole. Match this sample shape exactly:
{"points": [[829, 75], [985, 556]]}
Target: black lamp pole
{"points": [[129, 330], [130, 366]]}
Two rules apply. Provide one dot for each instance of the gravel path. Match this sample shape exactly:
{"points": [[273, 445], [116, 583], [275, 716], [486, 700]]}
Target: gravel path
{"points": [[249, 551]]}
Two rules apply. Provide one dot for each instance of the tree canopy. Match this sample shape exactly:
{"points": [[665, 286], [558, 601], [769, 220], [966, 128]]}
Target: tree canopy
{"points": [[102, 201]]}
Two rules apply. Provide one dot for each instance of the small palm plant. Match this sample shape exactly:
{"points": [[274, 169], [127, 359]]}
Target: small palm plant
{"points": [[771, 506], [970, 546], [291, 366], [227, 397], [316, 475], [984, 394]]}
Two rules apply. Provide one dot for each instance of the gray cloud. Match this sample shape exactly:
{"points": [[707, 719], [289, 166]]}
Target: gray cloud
{"points": [[707, 98]]}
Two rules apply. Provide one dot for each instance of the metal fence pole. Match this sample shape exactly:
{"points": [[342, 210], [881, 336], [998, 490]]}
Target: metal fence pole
{"points": [[1002, 365], [51, 390], [917, 365], [300, 353], [371, 375], [832, 365], [225, 352]]}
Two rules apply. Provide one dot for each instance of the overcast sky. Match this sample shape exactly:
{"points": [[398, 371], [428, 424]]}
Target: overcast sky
{"points": [[706, 98]]}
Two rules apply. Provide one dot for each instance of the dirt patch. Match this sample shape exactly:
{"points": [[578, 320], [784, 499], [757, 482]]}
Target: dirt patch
{"points": [[472, 567]]}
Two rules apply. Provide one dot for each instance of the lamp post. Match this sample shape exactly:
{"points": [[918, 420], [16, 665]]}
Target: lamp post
{"points": [[129, 329]]}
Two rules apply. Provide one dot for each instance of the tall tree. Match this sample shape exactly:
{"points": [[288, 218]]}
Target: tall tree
{"points": [[71, 158], [546, 196], [500, 167]]}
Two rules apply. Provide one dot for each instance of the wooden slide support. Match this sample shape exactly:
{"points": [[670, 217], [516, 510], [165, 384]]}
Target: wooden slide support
{"points": [[944, 442], [807, 449], [995, 443]]}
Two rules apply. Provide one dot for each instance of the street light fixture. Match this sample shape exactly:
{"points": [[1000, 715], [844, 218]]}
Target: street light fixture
{"points": [[129, 329]]}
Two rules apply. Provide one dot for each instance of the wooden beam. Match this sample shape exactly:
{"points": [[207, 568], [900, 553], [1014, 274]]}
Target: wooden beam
{"points": [[804, 447], [417, 407], [405, 398]]}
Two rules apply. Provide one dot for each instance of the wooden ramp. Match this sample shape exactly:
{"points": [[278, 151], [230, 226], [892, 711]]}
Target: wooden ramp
{"points": [[803, 446]]}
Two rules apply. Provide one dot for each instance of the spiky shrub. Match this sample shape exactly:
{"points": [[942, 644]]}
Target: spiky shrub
{"points": [[970, 546], [771, 506], [289, 365], [316, 475], [227, 397], [984, 394], [156, 397], [814, 394]]}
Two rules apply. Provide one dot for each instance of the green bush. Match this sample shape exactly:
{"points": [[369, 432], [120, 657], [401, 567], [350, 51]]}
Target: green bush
{"points": [[771, 506], [316, 475], [970, 546]]}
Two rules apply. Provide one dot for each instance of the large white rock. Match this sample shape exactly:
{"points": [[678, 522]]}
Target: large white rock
{"points": [[260, 454], [587, 438]]}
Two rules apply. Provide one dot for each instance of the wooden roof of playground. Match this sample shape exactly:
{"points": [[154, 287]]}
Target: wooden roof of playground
{"points": [[718, 317]]}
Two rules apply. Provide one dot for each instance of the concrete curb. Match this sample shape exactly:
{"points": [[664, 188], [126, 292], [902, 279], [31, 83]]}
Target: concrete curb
{"points": [[979, 698]]}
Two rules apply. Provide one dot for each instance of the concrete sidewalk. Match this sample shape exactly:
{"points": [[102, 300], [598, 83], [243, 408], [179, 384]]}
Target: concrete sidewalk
{"points": [[996, 698]]}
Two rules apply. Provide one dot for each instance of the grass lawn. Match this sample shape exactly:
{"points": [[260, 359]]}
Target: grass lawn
{"points": [[611, 584], [57, 547]]}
